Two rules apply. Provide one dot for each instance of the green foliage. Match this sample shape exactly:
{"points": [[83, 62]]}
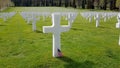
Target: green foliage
{"points": [[84, 46], [101, 2], [118, 3]]}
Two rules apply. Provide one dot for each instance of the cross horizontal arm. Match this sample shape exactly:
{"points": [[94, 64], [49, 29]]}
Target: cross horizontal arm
{"points": [[47, 29], [65, 28]]}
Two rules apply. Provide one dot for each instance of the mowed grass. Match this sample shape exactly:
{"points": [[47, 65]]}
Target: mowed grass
{"points": [[84, 46]]}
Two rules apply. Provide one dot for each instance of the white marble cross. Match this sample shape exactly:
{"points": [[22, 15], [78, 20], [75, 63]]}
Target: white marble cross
{"points": [[118, 24], [90, 17], [71, 18], [56, 29], [105, 16], [44, 17], [29, 19], [119, 40], [5, 16], [34, 24], [97, 18]]}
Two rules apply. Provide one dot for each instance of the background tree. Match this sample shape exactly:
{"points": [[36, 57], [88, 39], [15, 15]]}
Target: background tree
{"points": [[66, 3], [51, 2], [74, 3], [90, 4], [78, 3], [18, 2], [83, 4], [97, 4], [4, 4], [118, 4], [112, 4], [103, 4], [60, 1]]}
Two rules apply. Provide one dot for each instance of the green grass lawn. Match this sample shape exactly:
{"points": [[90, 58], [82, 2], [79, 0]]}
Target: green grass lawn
{"points": [[84, 46]]}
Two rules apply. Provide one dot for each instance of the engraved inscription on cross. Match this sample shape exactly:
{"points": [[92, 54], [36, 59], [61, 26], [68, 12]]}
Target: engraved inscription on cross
{"points": [[56, 29]]}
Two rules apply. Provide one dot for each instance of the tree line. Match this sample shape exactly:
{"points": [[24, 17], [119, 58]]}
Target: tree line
{"points": [[4, 4], [84, 4]]}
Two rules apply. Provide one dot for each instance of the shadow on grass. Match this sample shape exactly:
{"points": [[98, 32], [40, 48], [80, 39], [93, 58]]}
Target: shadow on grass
{"points": [[73, 64], [29, 23], [111, 54], [68, 63], [77, 29], [2, 25], [104, 27], [38, 31]]}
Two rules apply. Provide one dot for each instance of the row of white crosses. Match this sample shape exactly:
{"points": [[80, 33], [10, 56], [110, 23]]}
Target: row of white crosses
{"points": [[57, 29], [28, 16], [70, 16], [7, 15], [98, 15], [105, 15], [34, 16]]}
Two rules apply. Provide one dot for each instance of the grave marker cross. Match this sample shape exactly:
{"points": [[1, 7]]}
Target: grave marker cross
{"points": [[56, 29], [118, 24], [97, 17], [119, 40], [34, 24]]}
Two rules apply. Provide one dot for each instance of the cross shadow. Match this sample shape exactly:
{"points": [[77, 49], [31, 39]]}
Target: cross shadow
{"points": [[102, 27], [77, 29], [2, 25], [73, 64], [30, 24], [38, 31]]}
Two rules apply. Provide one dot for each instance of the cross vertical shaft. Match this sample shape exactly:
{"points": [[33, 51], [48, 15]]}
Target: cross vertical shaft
{"points": [[56, 29]]}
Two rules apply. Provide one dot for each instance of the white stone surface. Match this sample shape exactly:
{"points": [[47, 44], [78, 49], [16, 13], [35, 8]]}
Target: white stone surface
{"points": [[56, 29], [6, 15], [70, 19], [90, 17], [97, 18], [119, 40], [34, 24], [29, 19], [103, 15], [118, 24]]}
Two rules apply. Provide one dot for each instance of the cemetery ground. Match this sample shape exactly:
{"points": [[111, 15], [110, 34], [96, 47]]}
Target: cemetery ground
{"points": [[84, 46]]}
